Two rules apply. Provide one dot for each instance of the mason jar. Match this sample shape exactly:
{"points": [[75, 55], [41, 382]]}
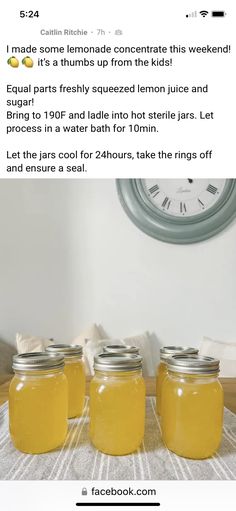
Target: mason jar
{"points": [[120, 348], [75, 372], [165, 353], [38, 402], [117, 403], [192, 406]]}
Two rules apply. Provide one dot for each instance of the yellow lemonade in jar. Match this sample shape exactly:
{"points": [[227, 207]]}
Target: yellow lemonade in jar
{"points": [[75, 372], [117, 404], [38, 401], [192, 407], [165, 353], [161, 374]]}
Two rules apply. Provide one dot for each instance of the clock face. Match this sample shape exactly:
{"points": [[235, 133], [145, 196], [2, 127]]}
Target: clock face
{"points": [[179, 210], [183, 197]]}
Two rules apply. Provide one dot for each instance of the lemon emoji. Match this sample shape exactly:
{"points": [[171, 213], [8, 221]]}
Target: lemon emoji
{"points": [[28, 62], [13, 62]]}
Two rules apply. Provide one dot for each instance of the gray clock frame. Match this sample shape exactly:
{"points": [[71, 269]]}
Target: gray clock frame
{"points": [[170, 229]]}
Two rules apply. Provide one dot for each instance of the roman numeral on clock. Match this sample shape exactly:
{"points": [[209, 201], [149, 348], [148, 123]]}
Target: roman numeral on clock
{"points": [[154, 190], [182, 207], [166, 203], [202, 203], [212, 189]]}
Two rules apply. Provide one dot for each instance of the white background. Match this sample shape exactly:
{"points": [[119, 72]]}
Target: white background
{"points": [[184, 495], [142, 23], [70, 256]]}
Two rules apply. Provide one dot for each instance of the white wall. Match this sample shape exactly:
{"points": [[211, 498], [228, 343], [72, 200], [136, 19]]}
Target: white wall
{"points": [[70, 256]]}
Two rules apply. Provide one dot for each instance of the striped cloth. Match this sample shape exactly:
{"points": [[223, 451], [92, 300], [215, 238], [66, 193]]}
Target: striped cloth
{"points": [[77, 459]]}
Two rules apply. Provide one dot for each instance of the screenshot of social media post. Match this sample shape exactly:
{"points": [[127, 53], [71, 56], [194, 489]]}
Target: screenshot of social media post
{"points": [[102, 89], [117, 256]]}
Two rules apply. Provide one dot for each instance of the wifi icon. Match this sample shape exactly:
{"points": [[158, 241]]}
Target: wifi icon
{"points": [[204, 13]]}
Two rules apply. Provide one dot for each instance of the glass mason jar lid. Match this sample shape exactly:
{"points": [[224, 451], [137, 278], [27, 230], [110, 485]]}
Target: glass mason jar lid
{"points": [[120, 348], [117, 362], [67, 350], [37, 361], [193, 364], [168, 351]]}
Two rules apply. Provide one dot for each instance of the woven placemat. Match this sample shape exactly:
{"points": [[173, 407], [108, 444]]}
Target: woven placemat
{"points": [[78, 460]]}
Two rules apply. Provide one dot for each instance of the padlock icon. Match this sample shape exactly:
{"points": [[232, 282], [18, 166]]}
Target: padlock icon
{"points": [[84, 491]]}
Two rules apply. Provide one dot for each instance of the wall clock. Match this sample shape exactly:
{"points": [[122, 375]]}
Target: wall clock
{"points": [[179, 210]]}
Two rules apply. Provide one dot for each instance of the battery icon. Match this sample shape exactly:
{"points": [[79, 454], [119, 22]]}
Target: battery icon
{"points": [[218, 14]]}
